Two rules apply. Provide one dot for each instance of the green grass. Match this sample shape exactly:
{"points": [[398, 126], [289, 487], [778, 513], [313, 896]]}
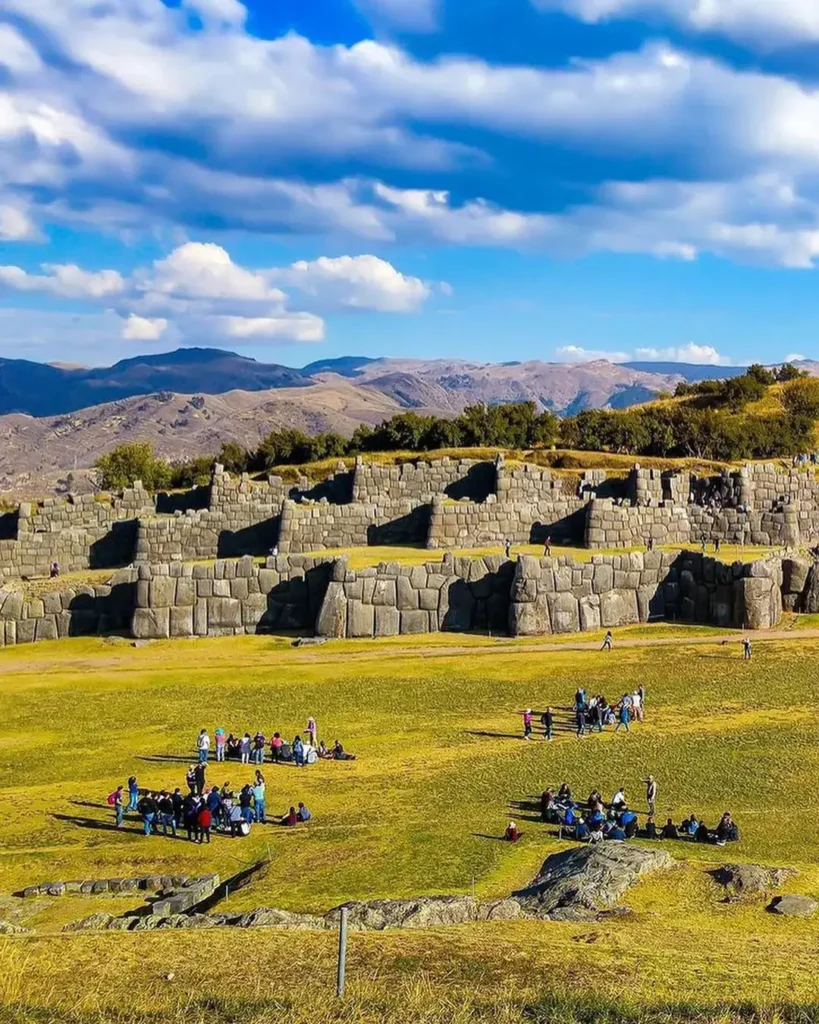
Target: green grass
{"points": [[440, 765]]}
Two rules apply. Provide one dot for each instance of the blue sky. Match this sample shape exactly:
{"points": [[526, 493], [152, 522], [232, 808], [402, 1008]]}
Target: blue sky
{"points": [[478, 179]]}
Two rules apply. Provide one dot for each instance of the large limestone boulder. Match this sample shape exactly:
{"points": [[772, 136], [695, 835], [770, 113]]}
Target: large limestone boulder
{"points": [[811, 601], [332, 618], [794, 906], [531, 618], [588, 879], [759, 603], [751, 879], [619, 608]]}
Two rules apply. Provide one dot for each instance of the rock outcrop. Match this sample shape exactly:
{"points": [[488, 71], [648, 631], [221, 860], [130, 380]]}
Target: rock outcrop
{"points": [[578, 884], [751, 879], [794, 906]]}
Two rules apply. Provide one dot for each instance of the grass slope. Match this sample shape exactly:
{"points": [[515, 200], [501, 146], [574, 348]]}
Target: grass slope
{"points": [[440, 767]]}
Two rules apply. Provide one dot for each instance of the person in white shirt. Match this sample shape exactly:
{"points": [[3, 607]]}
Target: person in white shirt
{"points": [[203, 745]]}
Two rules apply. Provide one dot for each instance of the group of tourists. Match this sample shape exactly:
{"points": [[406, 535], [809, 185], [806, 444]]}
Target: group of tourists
{"points": [[592, 714], [207, 808], [202, 809], [249, 749], [595, 820]]}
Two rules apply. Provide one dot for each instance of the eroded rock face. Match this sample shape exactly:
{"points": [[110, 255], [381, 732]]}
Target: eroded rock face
{"points": [[424, 912], [751, 879], [581, 882], [9, 928], [92, 923], [794, 906]]}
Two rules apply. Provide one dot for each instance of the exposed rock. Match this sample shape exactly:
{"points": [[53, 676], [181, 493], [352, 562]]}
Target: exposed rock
{"points": [[424, 912], [751, 879], [9, 928], [589, 878], [271, 917], [794, 906], [93, 923]]}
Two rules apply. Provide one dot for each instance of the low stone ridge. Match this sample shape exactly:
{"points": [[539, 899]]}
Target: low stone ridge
{"points": [[9, 928], [578, 884], [751, 879], [184, 898], [794, 906], [99, 886]]}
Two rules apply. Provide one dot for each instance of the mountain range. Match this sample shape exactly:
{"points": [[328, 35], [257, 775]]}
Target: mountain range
{"points": [[55, 418]]}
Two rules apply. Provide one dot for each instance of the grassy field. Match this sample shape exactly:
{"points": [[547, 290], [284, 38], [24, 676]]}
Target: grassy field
{"points": [[441, 768]]}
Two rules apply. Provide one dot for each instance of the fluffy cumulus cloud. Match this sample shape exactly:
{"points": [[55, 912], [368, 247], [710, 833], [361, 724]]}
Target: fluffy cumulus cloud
{"points": [[204, 293], [142, 328], [702, 355], [145, 115], [760, 22]]}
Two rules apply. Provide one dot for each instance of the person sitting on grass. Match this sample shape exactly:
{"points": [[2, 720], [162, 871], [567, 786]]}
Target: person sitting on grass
{"points": [[628, 822], [616, 833], [511, 835], [303, 813], [339, 754], [236, 820], [670, 830], [727, 831], [548, 807], [582, 832], [702, 835], [290, 819], [690, 825], [651, 828], [564, 794], [324, 751], [618, 801]]}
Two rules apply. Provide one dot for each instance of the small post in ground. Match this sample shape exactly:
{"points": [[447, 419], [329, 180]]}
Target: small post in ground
{"points": [[342, 953]]}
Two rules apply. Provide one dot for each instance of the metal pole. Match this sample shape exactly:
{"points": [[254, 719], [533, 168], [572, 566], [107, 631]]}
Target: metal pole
{"points": [[342, 953]]}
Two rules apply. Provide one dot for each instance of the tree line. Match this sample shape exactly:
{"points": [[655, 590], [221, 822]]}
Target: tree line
{"points": [[711, 421]]}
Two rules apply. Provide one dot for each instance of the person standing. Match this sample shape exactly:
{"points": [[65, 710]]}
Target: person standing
{"points": [[637, 706], [298, 751], [276, 743], [258, 747], [527, 724], [244, 748], [547, 720], [190, 779], [651, 794], [199, 778], [166, 814], [258, 799], [115, 799], [219, 740], [608, 640], [600, 713], [580, 719], [547, 549], [746, 648], [203, 745], [133, 794], [507, 549], [178, 806], [204, 820], [147, 811], [312, 731]]}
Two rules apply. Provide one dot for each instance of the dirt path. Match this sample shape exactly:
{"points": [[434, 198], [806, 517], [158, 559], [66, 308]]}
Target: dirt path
{"points": [[510, 647]]}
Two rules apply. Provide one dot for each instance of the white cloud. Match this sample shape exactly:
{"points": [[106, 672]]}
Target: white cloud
{"points": [[293, 327], [576, 354], [219, 12], [763, 22], [66, 280], [140, 328], [204, 270], [356, 282], [795, 357], [15, 225], [702, 355]]}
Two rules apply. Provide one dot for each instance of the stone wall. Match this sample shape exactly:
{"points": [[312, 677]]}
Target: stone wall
{"points": [[418, 482], [75, 611], [557, 595], [466, 524], [229, 597], [454, 595], [317, 526]]}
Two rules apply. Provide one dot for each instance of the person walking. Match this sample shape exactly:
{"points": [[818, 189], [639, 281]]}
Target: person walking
{"points": [[547, 720], [600, 713], [133, 794], [203, 745], [608, 640], [623, 718], [547, 548], [651, 794], [527, 724], [746, 648]]}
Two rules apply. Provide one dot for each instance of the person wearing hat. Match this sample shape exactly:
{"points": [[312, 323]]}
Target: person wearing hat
{"points": [[511, 835]]}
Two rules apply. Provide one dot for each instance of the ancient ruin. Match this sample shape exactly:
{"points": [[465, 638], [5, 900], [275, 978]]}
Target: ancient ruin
{"points": [[158, 591]]}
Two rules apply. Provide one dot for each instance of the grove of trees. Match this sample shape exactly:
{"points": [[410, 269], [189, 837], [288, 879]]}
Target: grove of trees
{"points": [[711, 421]]}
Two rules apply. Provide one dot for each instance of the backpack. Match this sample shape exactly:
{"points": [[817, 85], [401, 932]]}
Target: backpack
{"points": [[112, 799]]}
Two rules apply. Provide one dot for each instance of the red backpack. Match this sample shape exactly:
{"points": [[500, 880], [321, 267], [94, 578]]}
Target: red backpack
{"points": [[112, 798]]}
